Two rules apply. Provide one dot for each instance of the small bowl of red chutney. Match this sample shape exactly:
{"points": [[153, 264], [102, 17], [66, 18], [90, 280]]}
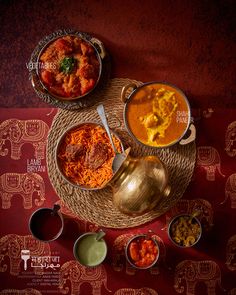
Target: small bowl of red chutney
{"points": [[142, 251]]}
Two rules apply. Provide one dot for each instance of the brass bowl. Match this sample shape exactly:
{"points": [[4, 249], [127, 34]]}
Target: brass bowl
{"points": [[195, 221], [129, 259], [128, 93], [58, 161], [34, 65]]}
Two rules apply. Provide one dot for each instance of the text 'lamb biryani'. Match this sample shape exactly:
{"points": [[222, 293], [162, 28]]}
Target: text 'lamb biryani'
{"points": [[85, 155]]}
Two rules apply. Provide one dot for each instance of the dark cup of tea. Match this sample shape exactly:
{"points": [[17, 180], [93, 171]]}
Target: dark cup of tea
{"points": [[46, 224]]}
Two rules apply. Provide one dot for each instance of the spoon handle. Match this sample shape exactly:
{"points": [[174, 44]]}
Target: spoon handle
{"points": [[102, 115]]}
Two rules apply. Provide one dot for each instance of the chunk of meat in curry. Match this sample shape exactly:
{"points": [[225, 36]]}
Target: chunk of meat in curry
{"points": [[73, 151], [96, 156]]}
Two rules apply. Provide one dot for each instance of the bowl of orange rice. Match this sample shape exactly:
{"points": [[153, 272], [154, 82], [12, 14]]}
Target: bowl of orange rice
{"points": [[84, 155]]}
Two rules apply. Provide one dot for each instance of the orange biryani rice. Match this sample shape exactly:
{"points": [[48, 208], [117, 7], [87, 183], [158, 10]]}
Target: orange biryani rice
{"points": [[76, 170]]}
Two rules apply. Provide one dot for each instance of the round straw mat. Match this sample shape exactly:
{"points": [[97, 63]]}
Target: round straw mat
{"points": [[97, 206]]}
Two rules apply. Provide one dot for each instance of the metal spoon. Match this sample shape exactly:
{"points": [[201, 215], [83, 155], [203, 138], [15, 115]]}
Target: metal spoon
{"points": [[119, 157]]}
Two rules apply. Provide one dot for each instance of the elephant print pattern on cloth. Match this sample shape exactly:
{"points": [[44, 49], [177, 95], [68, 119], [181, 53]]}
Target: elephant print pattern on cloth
{"points": [[72, 273], [155, 270], [202, 208], [11, 246], [230, 190], [27, 291], [188, 273], [118, 253], [230, 139], [20, 132], [231, 253], [209, 159], [25, 184], [119, 262], [141, 291]]}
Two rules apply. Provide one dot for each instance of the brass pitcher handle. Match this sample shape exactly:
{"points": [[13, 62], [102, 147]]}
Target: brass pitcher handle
{"points": [[124, 90], [99, 45], [191, 137]]}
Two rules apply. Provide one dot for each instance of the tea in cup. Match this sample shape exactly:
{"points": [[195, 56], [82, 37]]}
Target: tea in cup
{"points": [[46, 224], [90, 249]]}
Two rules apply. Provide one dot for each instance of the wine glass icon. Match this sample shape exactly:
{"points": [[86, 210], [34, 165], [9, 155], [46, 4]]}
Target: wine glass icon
{"points": [[25, 255]]}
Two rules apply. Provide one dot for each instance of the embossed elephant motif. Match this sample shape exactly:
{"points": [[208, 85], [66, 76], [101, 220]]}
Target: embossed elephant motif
{"points": [[141, 291], [75, 274], [209, 159], [118, 253], [27, 291], [25, 184], [231, 253], [230, 190], [119, 261], [19, 132], [230, 139], [201, 206], [193, 272], [11, 246]]}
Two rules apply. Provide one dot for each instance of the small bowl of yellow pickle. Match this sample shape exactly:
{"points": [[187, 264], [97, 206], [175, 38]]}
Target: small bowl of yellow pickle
{"points": [[184, 230]]}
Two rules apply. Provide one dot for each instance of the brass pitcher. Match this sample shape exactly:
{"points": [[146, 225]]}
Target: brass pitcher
{"points": [[139, 184]]}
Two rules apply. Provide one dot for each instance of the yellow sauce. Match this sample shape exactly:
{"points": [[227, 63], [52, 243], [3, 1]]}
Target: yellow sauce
{"points": [[157, 114]]}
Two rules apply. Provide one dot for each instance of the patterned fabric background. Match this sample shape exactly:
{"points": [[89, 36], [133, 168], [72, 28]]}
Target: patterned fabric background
{"points": [[190, 44], [208, 268]]}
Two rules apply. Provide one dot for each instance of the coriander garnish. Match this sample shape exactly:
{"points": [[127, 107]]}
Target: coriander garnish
{"points": [[67, 65]]}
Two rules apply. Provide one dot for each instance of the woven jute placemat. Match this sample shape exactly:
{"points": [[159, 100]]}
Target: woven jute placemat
{"points": [[97, 206]]}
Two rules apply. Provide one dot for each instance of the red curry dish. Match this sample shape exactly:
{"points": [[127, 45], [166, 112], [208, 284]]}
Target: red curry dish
{"points": [[142, 252], [69, 67]]}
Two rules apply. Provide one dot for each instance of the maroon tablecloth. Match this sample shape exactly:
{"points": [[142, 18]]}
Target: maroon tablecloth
{"points": [[207, 268], [188, 43]]}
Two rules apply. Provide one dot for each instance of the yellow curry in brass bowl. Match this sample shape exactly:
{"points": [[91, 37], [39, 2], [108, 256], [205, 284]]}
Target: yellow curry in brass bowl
{"points": [[156, 114]]}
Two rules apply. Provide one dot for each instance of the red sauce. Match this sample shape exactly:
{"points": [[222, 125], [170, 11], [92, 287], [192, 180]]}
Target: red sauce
{"points": [[45, 224], [69, 67], [143, 252]]}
